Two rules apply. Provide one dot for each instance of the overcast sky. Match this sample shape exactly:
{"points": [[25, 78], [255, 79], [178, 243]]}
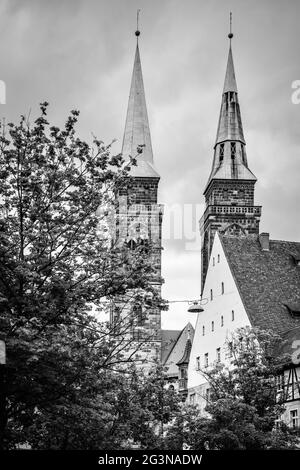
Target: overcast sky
{"points": [[79, 54]]}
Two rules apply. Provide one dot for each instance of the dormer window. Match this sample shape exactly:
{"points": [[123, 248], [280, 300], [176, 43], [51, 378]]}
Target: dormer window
{"points": [[297, 260], [233, 150], [221, 155], [293, 309]]}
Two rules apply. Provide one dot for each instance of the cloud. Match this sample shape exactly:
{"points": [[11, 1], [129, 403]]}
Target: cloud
{"points": [[79, 54]]}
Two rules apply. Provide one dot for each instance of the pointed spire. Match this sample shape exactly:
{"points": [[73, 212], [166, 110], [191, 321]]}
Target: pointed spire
{"points": [[137, 130], [230, 160], [230, 81]]}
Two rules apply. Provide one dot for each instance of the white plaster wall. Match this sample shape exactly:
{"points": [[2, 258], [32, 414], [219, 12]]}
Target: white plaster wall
{"points": [[220, 305]]}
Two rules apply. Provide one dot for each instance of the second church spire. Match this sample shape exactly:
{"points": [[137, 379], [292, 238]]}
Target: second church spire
{"points": [[230, 160]]}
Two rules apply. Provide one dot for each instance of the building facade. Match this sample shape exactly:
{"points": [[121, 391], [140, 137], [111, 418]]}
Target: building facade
{"points": [[247, 279], [251, 281]]}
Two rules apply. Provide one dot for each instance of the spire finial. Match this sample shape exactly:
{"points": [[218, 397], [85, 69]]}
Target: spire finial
{"points": [[137, 33], [230, 35]]}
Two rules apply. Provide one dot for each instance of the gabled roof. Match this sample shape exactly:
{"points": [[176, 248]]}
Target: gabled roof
{"points": [[173, 351], [267, 280]]}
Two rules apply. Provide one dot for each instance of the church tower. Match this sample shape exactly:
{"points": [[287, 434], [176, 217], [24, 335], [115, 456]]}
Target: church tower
{"points": [[139, 220], [229, 192]]}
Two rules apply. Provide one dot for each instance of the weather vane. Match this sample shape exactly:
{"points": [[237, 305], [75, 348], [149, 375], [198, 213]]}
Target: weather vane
{"points": [[137, 33], [230, 35]]}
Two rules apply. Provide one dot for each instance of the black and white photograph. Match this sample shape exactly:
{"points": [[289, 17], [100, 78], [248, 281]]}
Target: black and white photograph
{"points": [[149, 231]]}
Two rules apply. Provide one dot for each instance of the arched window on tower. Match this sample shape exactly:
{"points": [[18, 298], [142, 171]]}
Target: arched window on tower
{"points": [[131, 244], [138, 314], [115, 316], [138, 319]]}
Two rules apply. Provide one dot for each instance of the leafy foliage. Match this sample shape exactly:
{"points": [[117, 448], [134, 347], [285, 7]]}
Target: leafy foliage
{"points": [[243, 404], [59, 269]]}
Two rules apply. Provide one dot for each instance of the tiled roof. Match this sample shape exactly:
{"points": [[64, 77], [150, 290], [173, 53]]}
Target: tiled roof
{"points": [[267, 280], [168, 339]]}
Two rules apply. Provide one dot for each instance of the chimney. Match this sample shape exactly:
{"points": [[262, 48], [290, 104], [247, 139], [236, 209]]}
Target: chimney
{"points": [[264, 239]]}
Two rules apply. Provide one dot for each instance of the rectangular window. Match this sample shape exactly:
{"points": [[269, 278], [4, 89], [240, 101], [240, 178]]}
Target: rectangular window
{"points": [[232, 315], [192, 399], [211, 294], [203, 330], [206, 359], [198, 363], [212, 326], [218, 354], [207, 393], [222, 320], [294, 418], [222, 288]]}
